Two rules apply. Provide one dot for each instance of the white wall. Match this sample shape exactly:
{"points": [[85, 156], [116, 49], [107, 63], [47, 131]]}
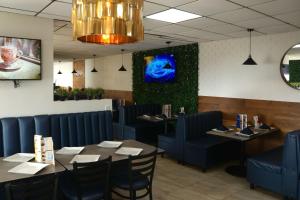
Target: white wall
{"points": [[221, 73], [36, 97], [108, 76], [66, 78]]}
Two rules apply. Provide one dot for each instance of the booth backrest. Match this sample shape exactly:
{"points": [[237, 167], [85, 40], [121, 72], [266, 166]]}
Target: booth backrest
{"points": [[195, 125], [291, 163], [129, 114], [76, 129]]}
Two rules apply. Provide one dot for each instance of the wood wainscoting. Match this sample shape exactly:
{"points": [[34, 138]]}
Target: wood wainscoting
{"points": [[283, 115], [119, 94]]}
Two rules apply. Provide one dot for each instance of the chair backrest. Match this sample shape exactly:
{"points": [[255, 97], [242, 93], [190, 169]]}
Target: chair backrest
{"points": [[141, 167], [93, 174], [129, 114], [75, 129], [196, 125], [291, 163], [40, 188]]}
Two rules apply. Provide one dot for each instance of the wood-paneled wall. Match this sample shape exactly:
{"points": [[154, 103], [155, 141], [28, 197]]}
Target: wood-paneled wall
{"points": [[118, 94], [283, 115]]}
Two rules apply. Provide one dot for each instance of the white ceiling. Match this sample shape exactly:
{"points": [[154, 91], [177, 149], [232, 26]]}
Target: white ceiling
{"points": [[222, 19]]}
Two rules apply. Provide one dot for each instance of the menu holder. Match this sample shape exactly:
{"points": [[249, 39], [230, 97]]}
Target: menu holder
{"points": [[70, 150], [110, 144], [20, 157], [28, 168], [85, 158], [129, 151]]}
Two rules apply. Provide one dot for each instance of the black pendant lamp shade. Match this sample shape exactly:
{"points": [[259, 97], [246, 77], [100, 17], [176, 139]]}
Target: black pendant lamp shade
{"points": [[94, 69], [59, 72], [122, 68], [74, 71], [250, 60]]}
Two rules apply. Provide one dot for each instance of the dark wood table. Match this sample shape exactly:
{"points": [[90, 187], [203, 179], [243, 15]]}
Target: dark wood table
{"points": [[157, 119], [240, 170], [63, 161], [6, 176], [104, 152]]}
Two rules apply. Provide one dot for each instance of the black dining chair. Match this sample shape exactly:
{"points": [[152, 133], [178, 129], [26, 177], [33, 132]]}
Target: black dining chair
{"points": [[139, 177], [87, 181], [37, 188]]}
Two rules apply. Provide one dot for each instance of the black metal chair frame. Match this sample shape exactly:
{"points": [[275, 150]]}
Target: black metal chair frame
{"points": [[36, 188], [93, 172], [139, 167]]}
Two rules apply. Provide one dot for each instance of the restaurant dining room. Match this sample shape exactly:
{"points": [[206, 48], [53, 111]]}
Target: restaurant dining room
{"points": [[149, 99]]}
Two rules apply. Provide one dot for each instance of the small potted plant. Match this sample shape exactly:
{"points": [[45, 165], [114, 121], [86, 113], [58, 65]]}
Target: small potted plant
{"points": [[98, 93], [62, 93], [89, 93], [83, 94], [76, 93]]}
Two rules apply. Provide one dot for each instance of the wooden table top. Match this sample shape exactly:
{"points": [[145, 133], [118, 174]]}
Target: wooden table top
{"points": [[6, 176], [105, 152], [63, 161], [233, 135]]}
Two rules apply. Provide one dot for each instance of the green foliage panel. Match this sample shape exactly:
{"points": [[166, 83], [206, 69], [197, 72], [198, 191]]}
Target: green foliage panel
{"points": [[183, 92], [294, 70]]}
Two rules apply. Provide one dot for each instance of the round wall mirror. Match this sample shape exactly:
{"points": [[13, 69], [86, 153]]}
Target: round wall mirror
{"points": [[290, 67]]}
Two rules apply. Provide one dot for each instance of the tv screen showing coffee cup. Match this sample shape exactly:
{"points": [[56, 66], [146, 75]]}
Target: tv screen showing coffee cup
{"points": [[20, 59]]}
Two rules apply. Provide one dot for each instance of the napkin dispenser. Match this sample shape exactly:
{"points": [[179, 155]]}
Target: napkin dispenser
{"points": [[43, 149]]}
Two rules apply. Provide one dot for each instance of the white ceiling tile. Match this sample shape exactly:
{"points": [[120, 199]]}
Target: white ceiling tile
{"points": [[223, 29], [172, 29], [54, 17], [278, 7], [151, 24], [58, 8], [66, 1], [245, 33], [205, 35], [209, 7], [277, 29], [292, 18], [201, 22], [16, 11], [251, 2], [151, 8], [64, 31], [26, 5], [258, 23], [237, 15], [171, 3], [58, 24]]}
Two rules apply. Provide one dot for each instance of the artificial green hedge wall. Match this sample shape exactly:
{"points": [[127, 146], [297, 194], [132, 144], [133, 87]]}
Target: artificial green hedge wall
{"points": [[294, 70], [183, 92]]}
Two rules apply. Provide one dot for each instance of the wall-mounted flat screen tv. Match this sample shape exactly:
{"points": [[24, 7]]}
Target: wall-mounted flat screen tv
{"points": [[160, 68], [20, 59]]}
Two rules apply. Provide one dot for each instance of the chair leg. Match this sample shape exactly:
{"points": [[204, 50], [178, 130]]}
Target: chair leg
{"points": [[134, 195], [150, 193], [252, 186]]}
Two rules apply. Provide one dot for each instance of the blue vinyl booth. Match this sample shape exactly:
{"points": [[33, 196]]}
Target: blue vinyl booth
{"points": [[74, 129], [278, 170], [140, 130], [192, 145]]}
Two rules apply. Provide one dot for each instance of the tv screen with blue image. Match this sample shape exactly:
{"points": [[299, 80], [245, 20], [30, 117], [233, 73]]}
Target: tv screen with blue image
{"points": [[160, 68]]}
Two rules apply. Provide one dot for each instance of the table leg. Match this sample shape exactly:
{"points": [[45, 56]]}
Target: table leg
{"points": [[239, 170], [166, 127]]}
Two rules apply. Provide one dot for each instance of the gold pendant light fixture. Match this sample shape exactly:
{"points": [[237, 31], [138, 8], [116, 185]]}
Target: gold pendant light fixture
{"points": [[108, 21]]}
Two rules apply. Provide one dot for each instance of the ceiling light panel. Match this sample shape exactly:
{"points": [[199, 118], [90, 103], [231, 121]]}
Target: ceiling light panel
{"points": [[173, 16]]}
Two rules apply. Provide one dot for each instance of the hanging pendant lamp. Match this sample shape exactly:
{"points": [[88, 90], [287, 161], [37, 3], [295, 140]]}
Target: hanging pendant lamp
{"points": [[108, 22], [94, 69], [59, 72], [122, 68], [250, 60], [74, 71]]}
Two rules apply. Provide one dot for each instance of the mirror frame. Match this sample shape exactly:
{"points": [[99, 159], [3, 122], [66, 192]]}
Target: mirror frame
{"points": [[280, 66]]}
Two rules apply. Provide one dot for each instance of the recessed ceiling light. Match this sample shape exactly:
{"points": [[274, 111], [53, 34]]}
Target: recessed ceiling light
{"points": [[173, 16], [297, 46]]}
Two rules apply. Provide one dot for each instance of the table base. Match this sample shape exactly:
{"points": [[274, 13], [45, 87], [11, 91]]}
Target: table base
{"points": [[236, 170]]}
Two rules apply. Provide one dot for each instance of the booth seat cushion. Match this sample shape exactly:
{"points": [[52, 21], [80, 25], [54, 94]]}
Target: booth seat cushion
{"points": [[270, 161]]}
